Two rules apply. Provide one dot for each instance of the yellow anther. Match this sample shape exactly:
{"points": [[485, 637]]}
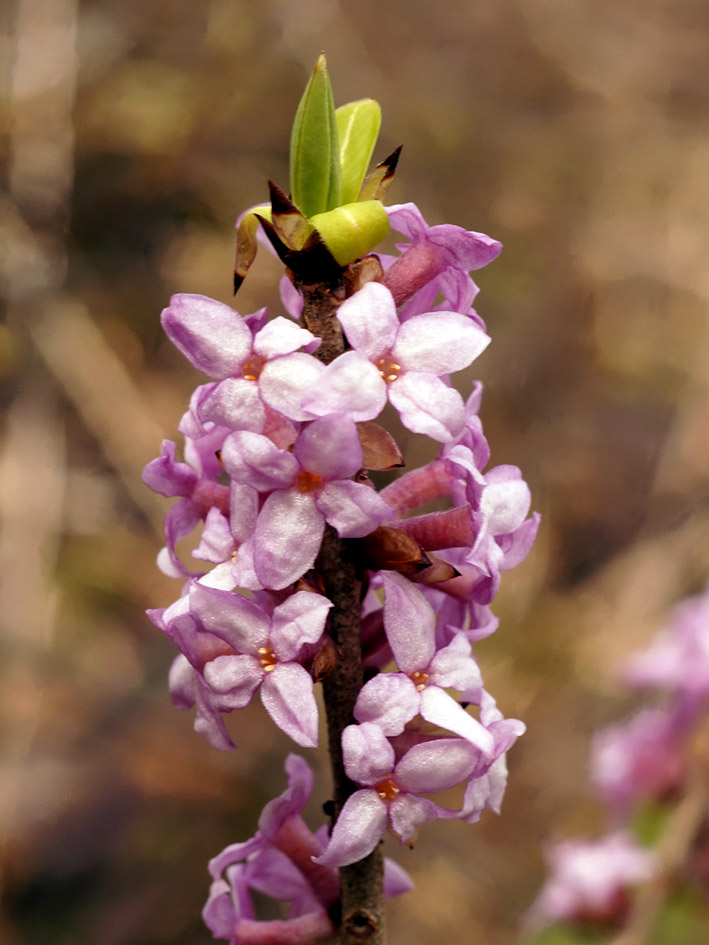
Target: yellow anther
{"points": [[388, 369], [251, 368], [387, 789], [419, 680], [267, 658], [307, 481]]}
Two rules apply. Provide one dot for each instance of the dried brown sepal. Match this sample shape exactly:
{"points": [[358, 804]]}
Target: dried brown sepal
{"points": [[325, 660], [314, 264], [359, 273], [389, 549], [379, 448], [380, 180], [290, 224]]}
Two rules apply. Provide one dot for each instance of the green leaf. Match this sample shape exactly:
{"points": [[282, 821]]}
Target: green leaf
{"points": [[314, 147], [352, 231], [358, 126]]}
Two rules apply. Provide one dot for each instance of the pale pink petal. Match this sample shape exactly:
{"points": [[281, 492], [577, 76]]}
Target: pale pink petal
{"points": [[284, 382], [367, 753], [390, 700], [287, 538], [409, 622], [357, 831], [350, 384], [210, 334], [235, 403], [236, 676], [233, 618], [407, 813], [426, 405], [434, 766], [454, 667], [438, 343], [300, 619], [256, 461], [281, 336], [287, 695], [369, 320], [505, 500], [330, 447], [442, 710], [353, 508]]}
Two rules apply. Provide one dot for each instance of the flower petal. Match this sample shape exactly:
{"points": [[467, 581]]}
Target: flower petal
{"points": [[287, 538], [438, 343], [212, 336], [368, 754], [353, 508], [369, 320], [349, 384], [390, 700], [284, 381], [427, 405], [300, 619], [357, 831], [287, 695], [434, 766], [409, 622]]}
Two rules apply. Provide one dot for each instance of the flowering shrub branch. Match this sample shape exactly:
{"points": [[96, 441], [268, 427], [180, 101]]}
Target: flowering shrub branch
{"points": [[314, 575]]}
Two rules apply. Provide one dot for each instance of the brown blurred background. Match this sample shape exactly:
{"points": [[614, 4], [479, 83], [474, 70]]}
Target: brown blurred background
{"points": [[575, 132]]}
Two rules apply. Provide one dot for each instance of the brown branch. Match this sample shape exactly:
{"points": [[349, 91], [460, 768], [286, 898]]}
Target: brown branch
{"points": [[361, 884]]}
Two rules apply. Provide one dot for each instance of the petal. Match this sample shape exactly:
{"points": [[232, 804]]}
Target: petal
{"points": [[284, 382], [407, 813], [235, 403], [357, 830], [166, 476], [353, 508], [256, 461], [281, 336], [390, 700], [287, 695], [217, 541], [236, 676], [350, 384], [438, 343], [505, 500], [427, 405], [369, 320], [211, 335], [454, 666], [287, 538], [434, 766], [409, 622], [300, 619], [441, 709], [235, 619], [330, 447], [367, 753]]}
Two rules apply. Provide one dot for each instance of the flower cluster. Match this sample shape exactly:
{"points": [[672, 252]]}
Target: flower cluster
{"points": [[278, 446], [653, 765]]}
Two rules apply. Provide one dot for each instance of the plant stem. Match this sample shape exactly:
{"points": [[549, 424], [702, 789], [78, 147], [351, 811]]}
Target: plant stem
{"points": [[361, 884]]}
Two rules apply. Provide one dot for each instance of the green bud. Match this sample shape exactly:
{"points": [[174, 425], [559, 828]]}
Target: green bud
{"points": [[358, 129], [352, 231], [314, 148]]}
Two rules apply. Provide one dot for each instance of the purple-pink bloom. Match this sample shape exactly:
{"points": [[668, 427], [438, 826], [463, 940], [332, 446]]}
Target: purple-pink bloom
{"points": [[433, 249], [265, 650], [304, 489], [391, 792], [220, 343], [404, 362], [590, 879]]}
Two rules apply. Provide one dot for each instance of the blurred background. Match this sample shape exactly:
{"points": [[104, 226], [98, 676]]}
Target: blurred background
{"points": [[577, 133]]}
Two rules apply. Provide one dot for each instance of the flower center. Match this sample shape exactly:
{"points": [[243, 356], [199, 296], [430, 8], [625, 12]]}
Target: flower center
{"points": [[307, 482], [419, 680], [387, 789], [252, 367], [267, 658], [388, 369]]}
